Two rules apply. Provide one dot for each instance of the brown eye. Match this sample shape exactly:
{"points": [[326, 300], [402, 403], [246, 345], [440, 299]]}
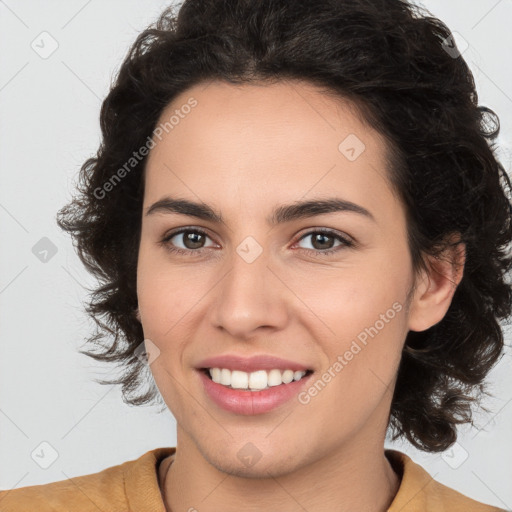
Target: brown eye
{"points": [[192, 241], [322, 242]]}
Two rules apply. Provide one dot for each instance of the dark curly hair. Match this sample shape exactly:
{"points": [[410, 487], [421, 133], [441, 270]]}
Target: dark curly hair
{"points": [[395, 62]]}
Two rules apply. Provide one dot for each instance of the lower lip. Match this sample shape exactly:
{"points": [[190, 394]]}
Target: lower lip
{"points": [[247, 402]]}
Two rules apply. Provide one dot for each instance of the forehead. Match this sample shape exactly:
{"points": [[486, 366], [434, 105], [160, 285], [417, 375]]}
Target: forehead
{"points": [[288, 112], [289, 139]]}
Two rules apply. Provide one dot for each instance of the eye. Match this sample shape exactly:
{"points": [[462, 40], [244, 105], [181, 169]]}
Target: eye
{"points": [[321, 242], [192, 240]]}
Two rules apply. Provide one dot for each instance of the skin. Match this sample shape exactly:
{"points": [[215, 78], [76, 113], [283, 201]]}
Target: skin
{"points": [[244, 150]]}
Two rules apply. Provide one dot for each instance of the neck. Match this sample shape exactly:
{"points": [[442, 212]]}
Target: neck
{"points": [[350, 479]]}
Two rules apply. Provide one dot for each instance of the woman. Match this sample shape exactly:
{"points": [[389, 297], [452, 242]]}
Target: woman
{"points": [[301, 229]]}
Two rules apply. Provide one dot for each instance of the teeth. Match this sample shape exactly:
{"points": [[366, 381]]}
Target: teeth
{"points": [[254, 381]]}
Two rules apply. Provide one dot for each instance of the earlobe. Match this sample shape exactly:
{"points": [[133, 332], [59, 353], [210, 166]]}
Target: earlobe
{"points": [[137, 314], [436, 287]]}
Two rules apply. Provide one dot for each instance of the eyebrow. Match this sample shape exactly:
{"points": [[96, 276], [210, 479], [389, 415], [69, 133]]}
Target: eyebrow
{"points": [[280, 215]]}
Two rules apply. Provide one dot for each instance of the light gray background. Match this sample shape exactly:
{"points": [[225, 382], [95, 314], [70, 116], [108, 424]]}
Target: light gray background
{"points": [[49, 110]]}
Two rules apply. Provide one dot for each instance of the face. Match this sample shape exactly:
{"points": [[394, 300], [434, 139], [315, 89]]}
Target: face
{"points": [[326, 290]]}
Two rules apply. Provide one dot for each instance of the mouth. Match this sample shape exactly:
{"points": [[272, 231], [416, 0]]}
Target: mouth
{"points": [[259, 380], [246, 396]]}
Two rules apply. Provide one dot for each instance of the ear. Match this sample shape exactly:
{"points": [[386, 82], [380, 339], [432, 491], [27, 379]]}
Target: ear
{"points": [[435, 287], [137, 314]]}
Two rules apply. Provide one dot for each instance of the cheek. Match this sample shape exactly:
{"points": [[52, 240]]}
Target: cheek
{"points": [[362, 356], [351, 299], [163, 304], [161, 292], [359, 314]]}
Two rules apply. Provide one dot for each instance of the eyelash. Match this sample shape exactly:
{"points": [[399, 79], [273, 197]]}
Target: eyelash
{"points": [[345, 242]]}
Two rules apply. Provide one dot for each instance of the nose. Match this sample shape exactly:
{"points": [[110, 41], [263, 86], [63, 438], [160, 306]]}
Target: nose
{"points": [[250, 297]]}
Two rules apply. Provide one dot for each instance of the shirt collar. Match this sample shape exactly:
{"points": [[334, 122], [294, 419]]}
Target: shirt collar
{"points": [[143, 491]]}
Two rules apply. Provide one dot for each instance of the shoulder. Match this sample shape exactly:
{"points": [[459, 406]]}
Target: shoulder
{"points": [[105, 490], [78, 493], [419, 491]]}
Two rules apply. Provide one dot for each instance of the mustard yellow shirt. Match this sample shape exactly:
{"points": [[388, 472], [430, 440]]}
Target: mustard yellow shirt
{"points": [[133, 487]]}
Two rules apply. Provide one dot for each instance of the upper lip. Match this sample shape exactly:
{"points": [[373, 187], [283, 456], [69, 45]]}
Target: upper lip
{"points": [[250, 364]]}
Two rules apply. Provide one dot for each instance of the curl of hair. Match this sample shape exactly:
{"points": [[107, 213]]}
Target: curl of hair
{"points": [[387, 57]]}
